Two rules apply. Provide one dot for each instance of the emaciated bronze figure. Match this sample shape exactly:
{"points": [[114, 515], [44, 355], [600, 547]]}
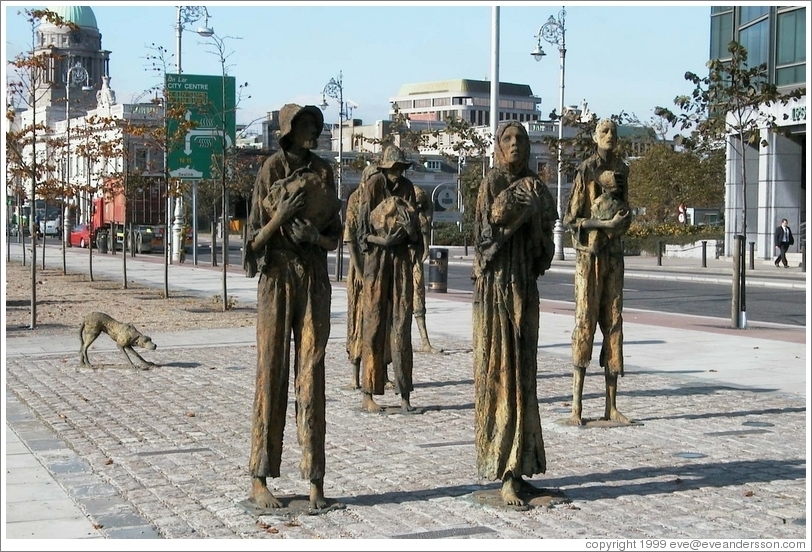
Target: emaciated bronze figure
{"points": [[294, 221], [597, 216], [389, 237], [513, 247]]}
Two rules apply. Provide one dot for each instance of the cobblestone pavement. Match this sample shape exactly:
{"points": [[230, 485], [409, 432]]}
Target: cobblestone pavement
{"points": [[164, 453]]}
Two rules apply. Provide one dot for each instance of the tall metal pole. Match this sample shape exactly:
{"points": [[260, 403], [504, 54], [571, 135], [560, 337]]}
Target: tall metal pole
{"points": [[179, 223], [75, 75], [335, 89], [558, 230], [65, 210], [494, 77], [554, 32]]}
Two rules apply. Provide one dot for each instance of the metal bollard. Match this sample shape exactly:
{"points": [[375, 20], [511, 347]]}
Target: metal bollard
{"points": [[704, 254], [752, 255], [659, 253]]}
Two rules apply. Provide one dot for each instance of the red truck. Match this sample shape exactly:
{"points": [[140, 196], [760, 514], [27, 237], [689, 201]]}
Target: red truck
{"points": [[146, 209]]}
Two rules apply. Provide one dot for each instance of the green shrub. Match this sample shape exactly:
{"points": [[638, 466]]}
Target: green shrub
{"points": [[645, 237]]}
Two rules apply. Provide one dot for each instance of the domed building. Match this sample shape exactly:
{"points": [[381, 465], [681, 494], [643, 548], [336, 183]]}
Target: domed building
{"points": [[65, 48]]}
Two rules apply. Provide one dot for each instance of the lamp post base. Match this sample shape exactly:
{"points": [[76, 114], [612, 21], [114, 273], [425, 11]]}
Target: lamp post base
{"points": [[558, 240], [177, 231]]}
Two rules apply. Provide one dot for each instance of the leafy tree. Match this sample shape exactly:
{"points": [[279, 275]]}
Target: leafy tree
{"points": [[662, 178], [27, 150], [97, 145], [223, 161], [159, 137], [729, 105]]}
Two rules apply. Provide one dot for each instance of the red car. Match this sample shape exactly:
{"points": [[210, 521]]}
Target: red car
{"points": [[80, 236]]}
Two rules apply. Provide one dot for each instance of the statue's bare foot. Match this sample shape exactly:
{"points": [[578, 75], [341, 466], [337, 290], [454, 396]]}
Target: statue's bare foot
{"points": [[317, 500], [428, 348], [614, 415], [261, 496], [368, 404], [510, 494], [528, 488], [389, 384], [354, 384], [575, 420], [405, 405]]}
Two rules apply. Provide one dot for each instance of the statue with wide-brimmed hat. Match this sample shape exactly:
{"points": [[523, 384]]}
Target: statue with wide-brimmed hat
{"points": [[294, 219]]}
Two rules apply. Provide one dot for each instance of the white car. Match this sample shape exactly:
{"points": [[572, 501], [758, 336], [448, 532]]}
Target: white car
{"points": [[53, 227]]}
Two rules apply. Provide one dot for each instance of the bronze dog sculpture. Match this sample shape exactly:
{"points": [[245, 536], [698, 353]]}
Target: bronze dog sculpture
{"points": [[125, 336]]}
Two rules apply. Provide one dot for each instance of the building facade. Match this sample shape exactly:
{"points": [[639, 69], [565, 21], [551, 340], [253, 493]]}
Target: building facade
{"points": [[776, 174], [466, 99]]}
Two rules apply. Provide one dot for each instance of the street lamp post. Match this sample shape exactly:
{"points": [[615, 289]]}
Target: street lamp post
{"points": [[187, 15], [76, 74], [335, 89], [553, 32]]}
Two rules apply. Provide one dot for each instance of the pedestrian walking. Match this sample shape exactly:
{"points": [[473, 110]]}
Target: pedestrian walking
{"points": [[783, 239]]}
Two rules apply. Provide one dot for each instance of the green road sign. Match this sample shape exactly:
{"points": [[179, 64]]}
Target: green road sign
{"points": [[207, 102]]}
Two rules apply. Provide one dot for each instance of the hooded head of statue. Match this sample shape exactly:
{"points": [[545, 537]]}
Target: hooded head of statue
{"points": [[288, 114], [512, 148]]}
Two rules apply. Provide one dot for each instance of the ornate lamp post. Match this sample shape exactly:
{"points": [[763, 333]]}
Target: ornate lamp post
{"points": [[76, 74], [553, 31], [335, 89], [187, 15]]}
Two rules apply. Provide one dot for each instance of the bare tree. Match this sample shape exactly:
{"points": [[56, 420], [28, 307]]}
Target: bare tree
{"points": [[26, 144]]}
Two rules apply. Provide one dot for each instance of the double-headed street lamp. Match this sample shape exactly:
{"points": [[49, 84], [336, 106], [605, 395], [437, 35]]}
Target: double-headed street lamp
{"points": [[186, 15], [335, 89], [553, 31], [76, 75]]}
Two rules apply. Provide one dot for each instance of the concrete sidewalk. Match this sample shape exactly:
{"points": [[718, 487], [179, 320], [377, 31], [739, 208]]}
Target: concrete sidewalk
{"points": [[163, 453]]}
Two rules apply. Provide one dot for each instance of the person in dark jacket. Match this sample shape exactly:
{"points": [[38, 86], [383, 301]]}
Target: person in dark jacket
{"points": [[783, 239]]}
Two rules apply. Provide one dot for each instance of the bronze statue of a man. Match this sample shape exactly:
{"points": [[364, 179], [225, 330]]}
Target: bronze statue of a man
{"points": [[389, 237], [355, 285], [425, 213], [294, 221], [513, 246], [597, 216]]}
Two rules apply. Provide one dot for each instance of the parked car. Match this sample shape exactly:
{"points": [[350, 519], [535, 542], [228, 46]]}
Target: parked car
{"points": [[80, 236], [53, 227]]}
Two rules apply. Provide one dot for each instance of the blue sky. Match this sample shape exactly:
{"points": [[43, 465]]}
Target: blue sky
{"points": [[620, 57]]}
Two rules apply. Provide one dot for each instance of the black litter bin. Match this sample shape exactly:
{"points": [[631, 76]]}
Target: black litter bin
{"points": [[438, 269], [101, 241]]}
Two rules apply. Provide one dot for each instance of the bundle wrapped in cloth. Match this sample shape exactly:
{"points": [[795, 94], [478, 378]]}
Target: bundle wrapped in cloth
{"points": [[393, 213], [321, 202]]}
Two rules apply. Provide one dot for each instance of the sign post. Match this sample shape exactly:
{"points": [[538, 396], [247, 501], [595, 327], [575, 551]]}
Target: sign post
{"points": [[202, 136]]}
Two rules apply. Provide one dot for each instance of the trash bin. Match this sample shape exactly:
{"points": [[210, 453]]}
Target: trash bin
{"points": [[438, 269], [101, 241]]}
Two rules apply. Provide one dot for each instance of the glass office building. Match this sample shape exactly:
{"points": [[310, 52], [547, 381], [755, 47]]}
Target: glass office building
{"points": [[776, 174]]}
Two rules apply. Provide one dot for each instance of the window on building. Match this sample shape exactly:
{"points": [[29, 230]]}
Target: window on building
{"points": [[790, 52], [756, 40], [140, 159], [721, 35], [423, 103], [529, 106], [719, 9], [751, 13], [442, 101], [472, 117], [506, 103], [482, 101]]}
